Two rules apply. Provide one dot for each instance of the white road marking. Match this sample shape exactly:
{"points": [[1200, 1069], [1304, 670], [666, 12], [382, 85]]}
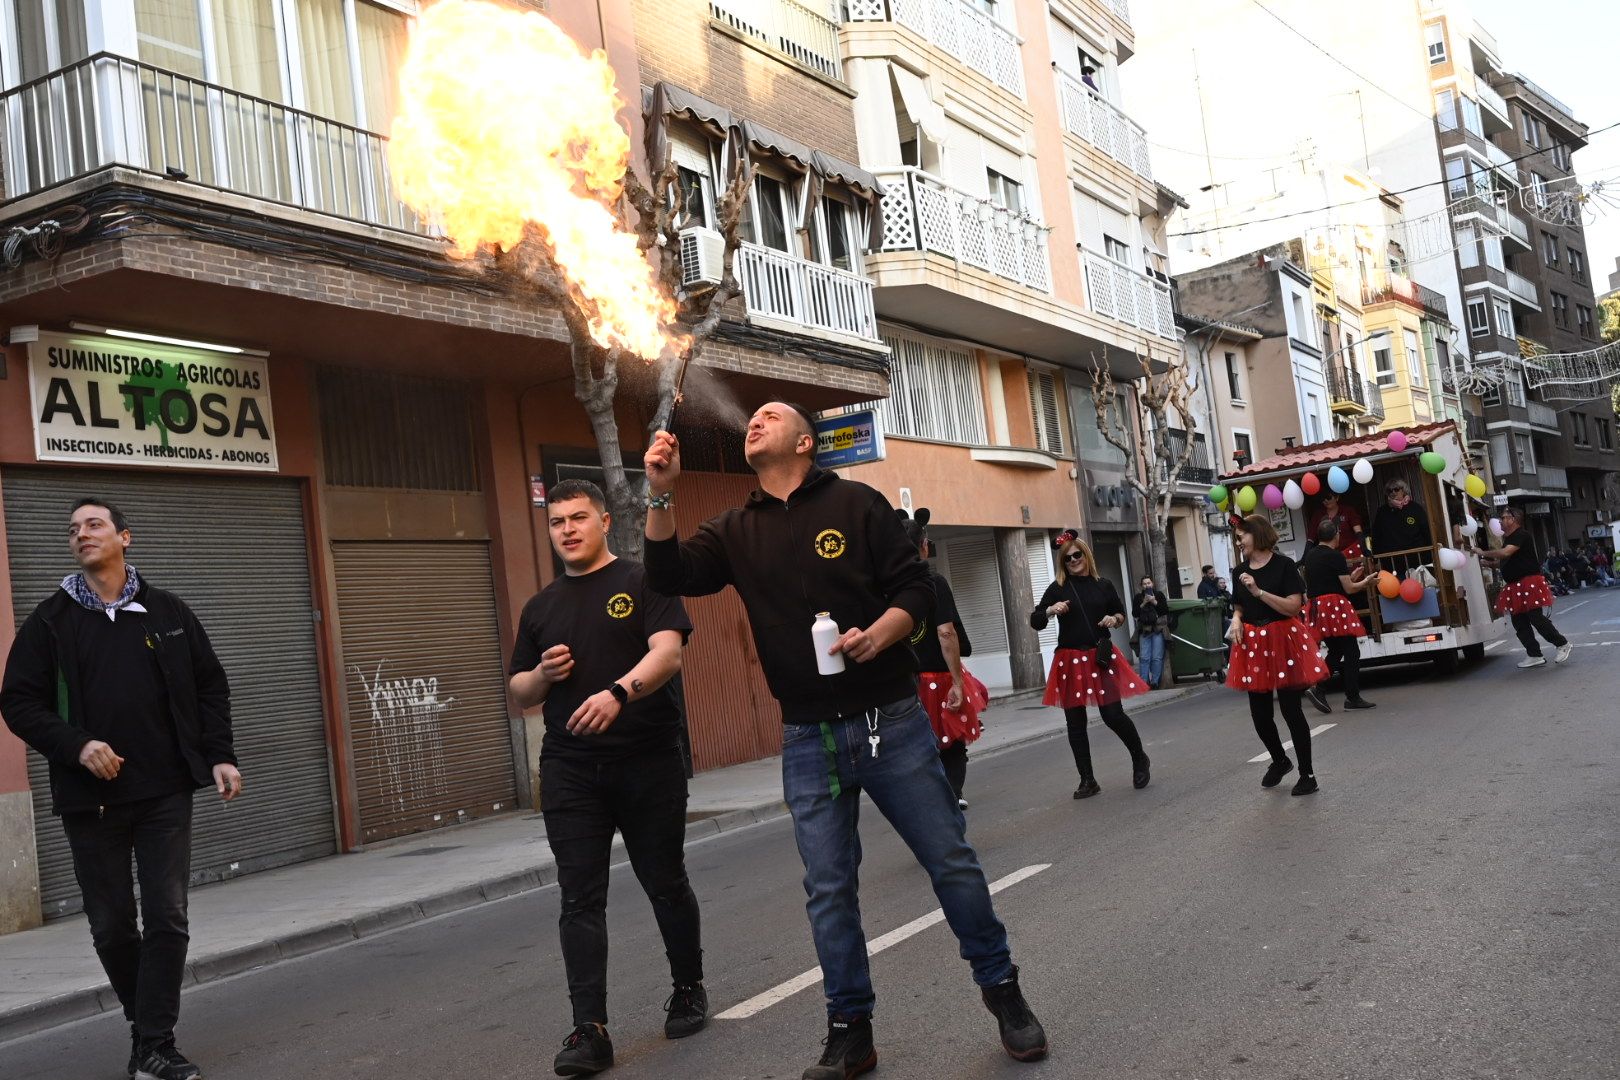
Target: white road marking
{"points": [[1572, 607], [1289, 745], [1497, 644], [776, 994]]}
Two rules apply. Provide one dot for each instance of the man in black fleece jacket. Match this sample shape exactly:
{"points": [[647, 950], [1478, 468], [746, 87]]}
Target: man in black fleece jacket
{"points": [[807, 542], [115, 684]]}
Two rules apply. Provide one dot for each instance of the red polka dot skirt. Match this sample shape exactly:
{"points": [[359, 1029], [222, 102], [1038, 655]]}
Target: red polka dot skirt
{"points": [[1278, 656], [1526, 594], [1333, 615], [1077, 681], [952, 725]]}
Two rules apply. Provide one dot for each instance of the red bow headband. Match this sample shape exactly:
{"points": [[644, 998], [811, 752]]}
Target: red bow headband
{"points": [[1064, 537]]}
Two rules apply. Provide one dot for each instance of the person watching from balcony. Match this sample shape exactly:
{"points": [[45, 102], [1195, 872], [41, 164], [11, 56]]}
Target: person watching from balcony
{"points": [[1087, 76]]}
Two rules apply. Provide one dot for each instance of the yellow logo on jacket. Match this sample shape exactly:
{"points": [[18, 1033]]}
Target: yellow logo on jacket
{"points": [[620, 606], [830, 543]]}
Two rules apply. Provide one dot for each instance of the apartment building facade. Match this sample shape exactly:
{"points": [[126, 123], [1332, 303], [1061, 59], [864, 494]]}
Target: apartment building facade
{"points": [[220, 316]]}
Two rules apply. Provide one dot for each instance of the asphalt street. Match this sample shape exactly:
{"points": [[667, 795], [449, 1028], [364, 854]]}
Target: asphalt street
{"points": [[1447, 906]]}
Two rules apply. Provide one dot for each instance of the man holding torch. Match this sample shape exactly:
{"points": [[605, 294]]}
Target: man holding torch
{"points": [[809, 548]]}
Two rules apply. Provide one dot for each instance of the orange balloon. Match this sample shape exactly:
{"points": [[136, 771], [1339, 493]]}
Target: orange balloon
{"points": [[1389, 586], [1310, 484], [1411, 590]]}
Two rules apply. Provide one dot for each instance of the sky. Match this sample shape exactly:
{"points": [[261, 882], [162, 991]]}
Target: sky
{"points": [[1566, 47]]}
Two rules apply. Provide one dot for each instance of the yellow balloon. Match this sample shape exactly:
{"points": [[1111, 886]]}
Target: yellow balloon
{"points": [[1475, 486], [1246, 498]]}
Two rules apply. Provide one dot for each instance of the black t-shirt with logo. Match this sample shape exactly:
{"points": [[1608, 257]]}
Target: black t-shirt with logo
{"points": [[1322, 567], [1522, 563], [605, 618], [1279, 577], [925, 640]]}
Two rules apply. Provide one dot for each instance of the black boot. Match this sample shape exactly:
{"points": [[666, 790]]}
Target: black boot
{"points": [[1021, 1034], [1141, 773], [849, 1050], [687, 1010], [1088, 787], [586, 1052]]}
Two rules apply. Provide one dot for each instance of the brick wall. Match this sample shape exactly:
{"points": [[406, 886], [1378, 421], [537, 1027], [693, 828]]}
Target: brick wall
{"points": [[678, 43]]}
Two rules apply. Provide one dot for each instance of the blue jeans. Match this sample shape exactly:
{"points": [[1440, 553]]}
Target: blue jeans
{"points": [[825, 767], [1150, 654]]}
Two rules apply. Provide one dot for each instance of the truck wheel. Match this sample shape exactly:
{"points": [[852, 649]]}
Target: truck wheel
{"points": [[1474, 653], [1446, 662]]}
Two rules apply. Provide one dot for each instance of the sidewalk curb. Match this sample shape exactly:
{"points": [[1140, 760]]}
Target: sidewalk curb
{"points": [[82, 1004]]}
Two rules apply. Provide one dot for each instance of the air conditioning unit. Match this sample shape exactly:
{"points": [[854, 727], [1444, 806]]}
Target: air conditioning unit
{"points": [[703, 256]]}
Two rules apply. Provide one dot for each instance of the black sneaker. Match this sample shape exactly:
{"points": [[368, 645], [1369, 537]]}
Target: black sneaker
{"points": [[1358, 703], [1306, 785], [849, 1050], [1088, 787], [161, 1061], [1021, 1034], [1318, 699], [586, 1052], [1142, 773], [134, 1051], [687, 1010], [1276, 772]]}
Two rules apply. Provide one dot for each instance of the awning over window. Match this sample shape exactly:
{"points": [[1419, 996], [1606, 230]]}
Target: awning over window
{"points": [[761, 137], [840, 171], [918, 105]]}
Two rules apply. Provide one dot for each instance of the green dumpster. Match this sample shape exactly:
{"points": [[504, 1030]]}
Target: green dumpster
{"points": [[1197, 639]]}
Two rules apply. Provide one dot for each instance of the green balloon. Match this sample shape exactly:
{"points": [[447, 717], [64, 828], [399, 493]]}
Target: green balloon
{"points": [[1217, 494], [1432, 463], [1246, 498]]}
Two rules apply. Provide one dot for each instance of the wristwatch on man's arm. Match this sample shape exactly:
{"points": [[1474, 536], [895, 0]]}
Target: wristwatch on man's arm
{"points": [[620, 694]]}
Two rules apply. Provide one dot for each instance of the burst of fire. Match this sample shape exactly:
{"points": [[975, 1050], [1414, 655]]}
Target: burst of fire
{"points": [[504, 121]]}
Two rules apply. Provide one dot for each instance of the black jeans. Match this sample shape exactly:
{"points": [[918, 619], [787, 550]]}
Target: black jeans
{"points": [[644, 797], [1344, 660], [1265, 725], [1080, 744], [145, 964], [954, 758], [1528, 623]]}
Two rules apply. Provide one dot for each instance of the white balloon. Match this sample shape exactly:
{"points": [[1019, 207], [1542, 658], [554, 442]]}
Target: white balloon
{"points": [[1496, 526], [1452, 559], [1469, 524], [1362, 473], [1293, 495]]}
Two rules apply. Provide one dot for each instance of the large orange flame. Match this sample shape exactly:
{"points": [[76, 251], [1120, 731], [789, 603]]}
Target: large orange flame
{"points": [[505, 121]]}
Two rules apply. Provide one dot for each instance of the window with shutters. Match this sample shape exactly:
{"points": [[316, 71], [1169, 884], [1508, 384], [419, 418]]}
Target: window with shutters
{"points": [[1435, 33], [1043, 407], [1039, 551], [933, 392]]}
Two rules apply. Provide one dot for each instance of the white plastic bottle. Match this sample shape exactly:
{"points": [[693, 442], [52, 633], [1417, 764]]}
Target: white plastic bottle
{"points": [[824, 633]]}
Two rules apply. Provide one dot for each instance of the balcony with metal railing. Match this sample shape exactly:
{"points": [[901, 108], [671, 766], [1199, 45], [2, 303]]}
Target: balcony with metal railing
{"points": [[1490, 209], [1552, 478], [1375, 400], [1398, 287], [108, 111], [791, 28], [923, 213], [1495, 107], [1543, 417], [778, 287], [1102, 125], [1502, 159], [1475, 426], [1197, 473], [1346, 391], [957, 28], [1523, 290], [1129, 296]]}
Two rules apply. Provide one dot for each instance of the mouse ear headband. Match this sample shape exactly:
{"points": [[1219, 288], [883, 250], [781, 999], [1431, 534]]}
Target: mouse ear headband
{"points": [[1065, 537]]}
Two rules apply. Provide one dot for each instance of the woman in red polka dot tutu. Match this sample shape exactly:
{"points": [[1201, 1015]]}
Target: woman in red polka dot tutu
{"points": [[1526, 597], [1329, 581], [1088, 670], [950, 694], [1274, 651]]}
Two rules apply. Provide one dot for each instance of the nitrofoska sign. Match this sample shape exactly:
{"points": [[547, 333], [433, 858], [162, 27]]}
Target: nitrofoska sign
{"points": [[123, 402]]}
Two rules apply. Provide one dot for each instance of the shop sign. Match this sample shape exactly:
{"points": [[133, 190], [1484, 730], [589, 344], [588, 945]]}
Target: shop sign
{"points": [[113, 401], [851, 439]]}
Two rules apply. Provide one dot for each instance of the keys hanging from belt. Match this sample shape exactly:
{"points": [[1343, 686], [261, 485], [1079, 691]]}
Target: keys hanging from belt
{"points": [[872, 737]]}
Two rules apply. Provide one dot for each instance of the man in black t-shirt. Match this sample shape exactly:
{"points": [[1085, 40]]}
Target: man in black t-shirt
{"points": [[1328, 584], [1401, 524], [1526, 597], [599, 648]]}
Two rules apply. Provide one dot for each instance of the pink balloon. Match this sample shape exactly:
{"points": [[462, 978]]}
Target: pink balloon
{"points": [[1397, 441], [1272, 497]]}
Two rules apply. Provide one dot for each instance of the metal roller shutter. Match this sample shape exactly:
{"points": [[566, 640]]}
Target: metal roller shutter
{"points": [[425, 682], [970, 567], [1040, 553], [236, 552]]}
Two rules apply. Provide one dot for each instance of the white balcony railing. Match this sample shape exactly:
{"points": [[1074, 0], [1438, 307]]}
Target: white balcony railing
{"points": [[1490, 99], [1542, 416], [108, 111], [1523, 290], [1552, 478], [1488, 207], [1102, 125], [1122, 8], [781, 286], [801, 32], [1502, 160], [958, 28], [1519, 230], [1121, 293], [923, 213]]}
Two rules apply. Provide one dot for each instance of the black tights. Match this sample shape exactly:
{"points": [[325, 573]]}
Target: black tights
{"points": [[954, 758], [1265, 725], [1120, 724], [1344, 660]]}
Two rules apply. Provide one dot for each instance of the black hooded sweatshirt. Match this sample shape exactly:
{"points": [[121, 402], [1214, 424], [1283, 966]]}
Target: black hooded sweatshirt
{"points": [[836, 546]]}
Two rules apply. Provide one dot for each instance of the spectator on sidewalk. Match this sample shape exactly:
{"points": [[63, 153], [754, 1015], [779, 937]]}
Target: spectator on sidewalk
{"points": [[1209, 586], [950, 694], [598, 648], [1151, 610], [113, 681], [809, 543]]}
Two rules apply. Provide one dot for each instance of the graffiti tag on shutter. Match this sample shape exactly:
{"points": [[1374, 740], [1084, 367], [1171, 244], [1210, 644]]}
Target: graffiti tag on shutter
{"points": [[407, 714]]}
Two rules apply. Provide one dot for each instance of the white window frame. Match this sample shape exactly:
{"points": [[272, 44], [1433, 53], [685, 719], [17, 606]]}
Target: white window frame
{"points": [[1048, 429], [1247, 444], [789, 204], [1445, 109], [1524, 453], [1414, 359], [820, 234], [1504, 318], [1006, 192], [1549, 248], [1577, 263], [1302, 327], [935, 392], [1492, 246], [1482, 326], [1384, 366], [1467, 239], [1234, 379], [1473, 120], [1435, 34]]}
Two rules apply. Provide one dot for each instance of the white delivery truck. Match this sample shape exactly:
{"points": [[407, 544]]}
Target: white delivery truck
{"points": [[1456, 613]]}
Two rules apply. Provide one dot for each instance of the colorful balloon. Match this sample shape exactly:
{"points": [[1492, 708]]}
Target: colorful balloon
{"points": [[1246, 498], [1362, 473], [1217, 494], [1272, 497], [1396, 441], [1411, 590], [1496, 526], [1469, 524], [1310, 484], [1389, 586], [1338, 480], [1475, 486], [1432, 462], [1293, 496]]}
